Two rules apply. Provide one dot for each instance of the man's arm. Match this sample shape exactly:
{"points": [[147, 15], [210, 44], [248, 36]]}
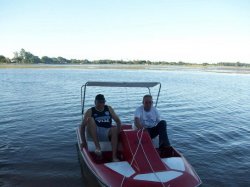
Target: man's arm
{"points": [[137, 120], [138, 123], [87, 115], [84, 123]]}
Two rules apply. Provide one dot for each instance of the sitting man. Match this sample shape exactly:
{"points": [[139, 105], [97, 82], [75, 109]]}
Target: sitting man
{"points": [[98, 121], [147, 116]]}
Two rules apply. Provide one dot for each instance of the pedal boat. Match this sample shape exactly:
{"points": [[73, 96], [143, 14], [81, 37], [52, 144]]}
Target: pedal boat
{"points": [[141, 163]]}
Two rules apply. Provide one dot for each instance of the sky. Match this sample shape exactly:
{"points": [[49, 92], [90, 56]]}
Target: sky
{"points": [[194, 31]]}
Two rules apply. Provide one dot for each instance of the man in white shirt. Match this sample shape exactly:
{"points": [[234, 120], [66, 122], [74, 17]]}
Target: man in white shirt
{"points": [[147, 116]]}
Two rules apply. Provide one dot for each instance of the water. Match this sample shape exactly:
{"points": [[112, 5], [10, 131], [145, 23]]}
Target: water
{"points": [[207, 113]]}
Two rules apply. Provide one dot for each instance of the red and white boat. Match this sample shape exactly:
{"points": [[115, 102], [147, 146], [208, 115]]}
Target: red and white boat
{"points": [[141, 162]]}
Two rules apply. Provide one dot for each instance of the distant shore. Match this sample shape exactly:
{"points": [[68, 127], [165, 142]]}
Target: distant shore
{"points": [[198, 67]]}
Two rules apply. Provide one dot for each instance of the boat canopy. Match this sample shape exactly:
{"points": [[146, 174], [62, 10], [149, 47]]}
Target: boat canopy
{"points": [[147, 85], [122, 84]]}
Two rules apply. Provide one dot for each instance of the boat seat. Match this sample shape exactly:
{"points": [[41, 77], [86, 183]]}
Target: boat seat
{"points": [[155, 142], [105, 145]]}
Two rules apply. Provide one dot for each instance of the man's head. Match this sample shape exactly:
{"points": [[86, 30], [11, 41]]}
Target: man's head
{"points": [[100, 99], [147, 102]]}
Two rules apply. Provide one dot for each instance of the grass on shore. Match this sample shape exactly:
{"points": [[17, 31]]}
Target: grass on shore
{"points": [[207, 68]]}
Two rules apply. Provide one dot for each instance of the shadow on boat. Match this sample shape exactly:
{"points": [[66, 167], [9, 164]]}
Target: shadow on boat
{"points": [[89, 180]]}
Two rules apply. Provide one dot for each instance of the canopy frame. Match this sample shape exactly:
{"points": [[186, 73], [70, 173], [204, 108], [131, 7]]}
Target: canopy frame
{"points": [[147, 85]]}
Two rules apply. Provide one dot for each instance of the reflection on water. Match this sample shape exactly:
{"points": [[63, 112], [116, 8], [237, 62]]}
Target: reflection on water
{"points": [[207, 114], [87, 176]]}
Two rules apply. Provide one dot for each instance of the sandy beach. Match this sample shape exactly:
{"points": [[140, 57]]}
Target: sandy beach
{"points": [[198, 67]]}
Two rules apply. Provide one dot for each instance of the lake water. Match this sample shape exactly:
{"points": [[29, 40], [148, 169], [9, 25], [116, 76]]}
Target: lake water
{"points": [[208, 117]]}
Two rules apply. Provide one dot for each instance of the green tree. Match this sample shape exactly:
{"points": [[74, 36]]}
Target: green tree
{"points": [[47, 60], [62, 60], [16, 58], [3, 59], [28, 58]]}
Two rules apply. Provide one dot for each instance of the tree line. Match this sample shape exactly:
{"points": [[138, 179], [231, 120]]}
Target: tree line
{"points": [[25, 57]]}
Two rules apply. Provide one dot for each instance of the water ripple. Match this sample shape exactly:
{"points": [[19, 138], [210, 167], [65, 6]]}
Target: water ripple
{"points": [[207, 115]]}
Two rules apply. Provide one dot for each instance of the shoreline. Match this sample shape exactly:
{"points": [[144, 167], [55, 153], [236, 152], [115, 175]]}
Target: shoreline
{"points": [[198, 67]]}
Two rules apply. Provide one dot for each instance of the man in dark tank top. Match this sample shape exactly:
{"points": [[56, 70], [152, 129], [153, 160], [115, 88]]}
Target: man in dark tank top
{"points": [[98, 120], [102, 118]]}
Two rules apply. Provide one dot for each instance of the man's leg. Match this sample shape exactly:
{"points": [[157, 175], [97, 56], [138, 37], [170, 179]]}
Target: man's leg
{"points": [[153, 132], [113, 133], [91, 126], [162, 131]]}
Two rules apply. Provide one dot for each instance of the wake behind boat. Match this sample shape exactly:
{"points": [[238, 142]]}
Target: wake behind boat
{"points": [[141, 163]]}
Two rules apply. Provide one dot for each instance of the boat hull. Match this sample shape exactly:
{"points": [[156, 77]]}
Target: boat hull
{"points": [[141, 163]]}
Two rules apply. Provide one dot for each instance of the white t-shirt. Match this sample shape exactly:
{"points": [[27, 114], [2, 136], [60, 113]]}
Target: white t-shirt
{"points": [[148, 119]]}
